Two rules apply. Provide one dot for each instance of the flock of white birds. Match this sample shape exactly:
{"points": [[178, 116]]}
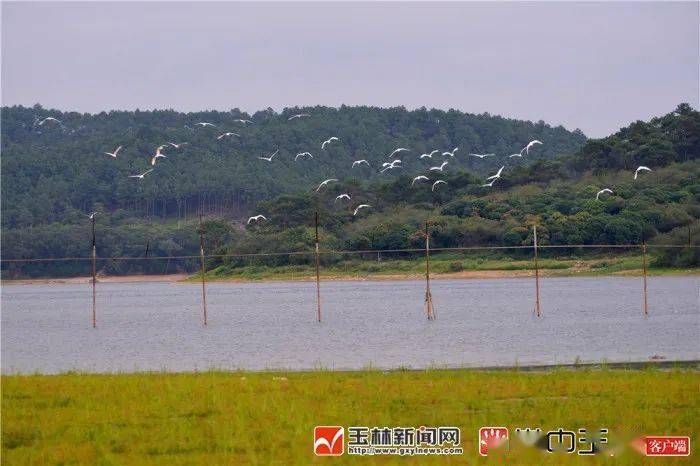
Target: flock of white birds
{"points": [[393, 164]]}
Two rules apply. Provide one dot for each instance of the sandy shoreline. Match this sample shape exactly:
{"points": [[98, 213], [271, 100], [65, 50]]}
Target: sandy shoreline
{"points": [[177, 277], [183, 278]]}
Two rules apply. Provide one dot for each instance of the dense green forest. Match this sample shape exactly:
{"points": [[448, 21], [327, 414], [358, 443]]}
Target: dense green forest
{"points": [[54, 173]]}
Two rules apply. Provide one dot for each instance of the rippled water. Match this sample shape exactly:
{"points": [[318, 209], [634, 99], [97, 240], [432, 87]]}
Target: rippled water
{"points": [[158, 326]]}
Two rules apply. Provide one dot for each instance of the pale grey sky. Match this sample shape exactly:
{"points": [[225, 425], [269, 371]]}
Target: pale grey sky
{"points": [[595, 66]]}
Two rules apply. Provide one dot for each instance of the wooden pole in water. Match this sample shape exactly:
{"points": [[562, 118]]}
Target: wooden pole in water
{"points": [[318, 274], [429, 310], [537, 272], [201, 261], [644, 273], [94, 275]]}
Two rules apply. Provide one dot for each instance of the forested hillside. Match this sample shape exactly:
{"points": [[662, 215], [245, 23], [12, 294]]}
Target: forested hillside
{"points": [[55, 170], [553, 189]]}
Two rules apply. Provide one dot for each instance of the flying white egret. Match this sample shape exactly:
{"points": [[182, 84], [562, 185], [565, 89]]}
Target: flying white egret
{"points": [[41, 122], [328, 141], [301, 154], [157, 156], [177, 146], [114, 154], [640, 168], [399, 149], [436, 183], [242, 120], [491, 183], [418, 178], [256, 218], [481, 156], [342, 196], [141, 175], [440, 168], [530, 144], [429, 156], [389, 166], [323, 183], [269, 159], [298, 115], [204, 123], [361, 206], [225, 135], [498, 174], [359, 162], [606, 190], [519, 154], [451, 154]]}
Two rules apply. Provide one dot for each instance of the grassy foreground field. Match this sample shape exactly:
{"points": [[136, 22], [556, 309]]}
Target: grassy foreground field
{"points": [[268, 418]]}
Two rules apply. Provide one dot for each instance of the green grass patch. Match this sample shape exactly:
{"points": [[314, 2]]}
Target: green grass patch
{"points": [[258, 418], [443, 263]]}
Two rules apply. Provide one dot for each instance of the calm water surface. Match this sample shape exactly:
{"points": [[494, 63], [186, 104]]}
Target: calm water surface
{"points": [[158, 326]]}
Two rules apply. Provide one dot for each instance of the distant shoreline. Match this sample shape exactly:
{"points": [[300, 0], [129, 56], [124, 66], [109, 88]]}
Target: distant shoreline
{"points": [[463, 275]]}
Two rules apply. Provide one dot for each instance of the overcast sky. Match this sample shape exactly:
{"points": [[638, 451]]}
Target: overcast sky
{"points": [[595, 66]]}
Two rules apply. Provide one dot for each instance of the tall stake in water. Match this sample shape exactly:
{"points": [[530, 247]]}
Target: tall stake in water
{"points": [[537, 272], [94, 275], [201, 261], [429, 310], [318, 275], [644, 273]]}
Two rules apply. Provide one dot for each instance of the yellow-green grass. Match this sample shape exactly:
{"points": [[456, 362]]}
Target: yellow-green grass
{"points": [[445, 265], [268, 418]]}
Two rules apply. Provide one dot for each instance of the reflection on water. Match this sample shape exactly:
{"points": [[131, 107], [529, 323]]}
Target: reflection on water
{"points": [[157, 326]]}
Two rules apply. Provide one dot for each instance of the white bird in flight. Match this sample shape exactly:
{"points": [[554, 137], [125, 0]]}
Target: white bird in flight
{"points": [[519, 154], [388, 166], [114, 154], [157, 156], [225, 135], [399, 149], [269, 159], [640, 168], [481, 156], [428, 156], [342, 196], [301, 154], [436, 183], [141, 175], [359, 162], [256, 218], [49, 119], [242, 120], [204, 123], [298, 115], [440, 168], [529, 145], [328, 141], [498, 174], [92, 215], [606, 190], [361, 206], [491, 183], [177, 146], [418, 178], [451, 154], [323, 183]]}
